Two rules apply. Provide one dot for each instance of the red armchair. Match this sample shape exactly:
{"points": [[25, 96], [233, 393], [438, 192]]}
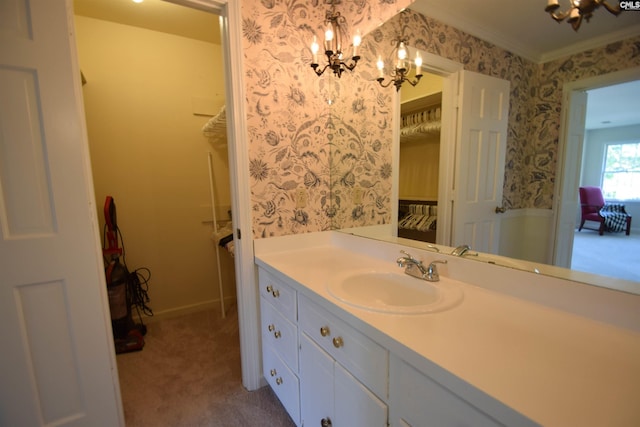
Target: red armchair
{"points": [[591, 201]]}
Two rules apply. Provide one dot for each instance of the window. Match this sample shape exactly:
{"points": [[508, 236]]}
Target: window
{"points": [[621, 173]]}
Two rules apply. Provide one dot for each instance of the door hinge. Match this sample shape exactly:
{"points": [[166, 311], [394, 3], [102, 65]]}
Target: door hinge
{"points": [[238, 234]]}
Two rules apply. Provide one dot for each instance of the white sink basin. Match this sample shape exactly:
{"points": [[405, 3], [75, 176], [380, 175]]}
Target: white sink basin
{"points": [[392, 292]]}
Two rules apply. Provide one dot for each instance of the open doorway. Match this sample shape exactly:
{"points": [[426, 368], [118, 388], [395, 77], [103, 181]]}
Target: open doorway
{"points": [[148, 95], [583, 160]]}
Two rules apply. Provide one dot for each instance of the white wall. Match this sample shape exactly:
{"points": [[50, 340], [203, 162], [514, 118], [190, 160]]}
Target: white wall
{"points": [[593, 158], [149, 153]]}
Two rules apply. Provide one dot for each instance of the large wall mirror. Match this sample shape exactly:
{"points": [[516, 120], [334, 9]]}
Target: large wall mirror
{"points": [[423, 153]]}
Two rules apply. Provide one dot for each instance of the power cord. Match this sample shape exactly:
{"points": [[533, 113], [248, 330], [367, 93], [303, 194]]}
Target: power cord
{"points": [[137, 286]]}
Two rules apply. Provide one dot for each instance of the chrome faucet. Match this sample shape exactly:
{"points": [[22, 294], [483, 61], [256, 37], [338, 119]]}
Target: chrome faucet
{"points": [[461, 250], [415, 268]]}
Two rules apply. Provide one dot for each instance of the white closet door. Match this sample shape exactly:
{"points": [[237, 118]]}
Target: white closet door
{"points": [[480, 154], [58, 361]]}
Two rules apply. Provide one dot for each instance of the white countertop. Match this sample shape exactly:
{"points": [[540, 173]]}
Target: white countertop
{"points": [[556, 367]]}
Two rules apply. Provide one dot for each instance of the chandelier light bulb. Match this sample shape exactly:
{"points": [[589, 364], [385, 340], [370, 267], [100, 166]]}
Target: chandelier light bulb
{"points": [[357, 39], [314, 49], [328, 34], [418, 62], [380, 65], [402, 52]]}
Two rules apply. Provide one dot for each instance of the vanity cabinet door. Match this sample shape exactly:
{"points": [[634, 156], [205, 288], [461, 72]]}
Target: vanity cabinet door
{"points": [[354, 404], [361, 356], [316, 384], [418, 401], [330, 396]]}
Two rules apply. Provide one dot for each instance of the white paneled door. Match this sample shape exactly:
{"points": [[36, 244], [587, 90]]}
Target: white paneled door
{"points": [[480, 158], [57, 362]]}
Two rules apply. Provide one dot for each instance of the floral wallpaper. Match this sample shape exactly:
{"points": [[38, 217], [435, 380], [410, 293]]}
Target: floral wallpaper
{"points": [[320, 147], [305, 130]]}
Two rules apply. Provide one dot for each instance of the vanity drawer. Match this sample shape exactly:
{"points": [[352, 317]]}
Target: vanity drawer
{"points": [[280, 295], [279, 334], [283, 382], [362, 357]]}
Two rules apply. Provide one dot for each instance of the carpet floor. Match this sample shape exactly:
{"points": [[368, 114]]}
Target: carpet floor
{"points": [[188, 375], [612, 254]]}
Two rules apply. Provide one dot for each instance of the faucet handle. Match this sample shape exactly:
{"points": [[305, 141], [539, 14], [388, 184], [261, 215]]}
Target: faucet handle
{"points": [[432, 270], [408, 255]]}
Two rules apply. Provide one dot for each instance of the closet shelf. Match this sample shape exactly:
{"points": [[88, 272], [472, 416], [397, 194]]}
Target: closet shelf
{"points": [[216, 127]]}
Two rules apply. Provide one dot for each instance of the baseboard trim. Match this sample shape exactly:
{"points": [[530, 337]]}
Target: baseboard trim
{"points": [[188, 309]]}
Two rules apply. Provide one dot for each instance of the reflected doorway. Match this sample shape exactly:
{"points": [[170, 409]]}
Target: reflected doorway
{"points": [[575, 165]]}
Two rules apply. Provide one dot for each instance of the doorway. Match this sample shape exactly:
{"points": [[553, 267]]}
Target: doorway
{"points": [[571, 153], [147, 98]]}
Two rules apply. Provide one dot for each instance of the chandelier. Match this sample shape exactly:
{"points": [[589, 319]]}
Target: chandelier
{"points": [[333, 44], [579, 10], [399, 74]]}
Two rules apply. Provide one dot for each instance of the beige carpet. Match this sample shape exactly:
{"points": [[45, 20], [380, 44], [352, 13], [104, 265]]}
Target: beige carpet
{"points": [[188, 374], [612, 254]]}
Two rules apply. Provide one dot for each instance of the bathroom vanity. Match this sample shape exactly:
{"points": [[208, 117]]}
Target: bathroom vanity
{"points": [[483, 346]]}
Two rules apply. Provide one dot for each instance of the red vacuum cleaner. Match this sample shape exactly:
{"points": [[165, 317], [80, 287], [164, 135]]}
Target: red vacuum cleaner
{"points": [[123, 288]]}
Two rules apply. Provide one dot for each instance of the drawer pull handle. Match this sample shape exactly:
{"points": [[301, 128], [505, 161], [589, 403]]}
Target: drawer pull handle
{"points": [[275, 293], [273, 373], [279, 380], [269, 288], [271, 327], [277, 334], [325, 422], [324, 331], [337, 342]]}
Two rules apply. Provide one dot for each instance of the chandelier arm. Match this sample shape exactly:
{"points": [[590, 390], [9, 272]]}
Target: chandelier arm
{"points": [[381, 80], [560, 16], [319, 72], [613, 9], [575, 24]]}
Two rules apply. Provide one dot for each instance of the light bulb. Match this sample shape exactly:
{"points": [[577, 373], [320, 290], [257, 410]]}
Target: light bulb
{"points": [[328, 34], [402, 51], [418, 62], [314, 49], [380, 65], [357, 39]]}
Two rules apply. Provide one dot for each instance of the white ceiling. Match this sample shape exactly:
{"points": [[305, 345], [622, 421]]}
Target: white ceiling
{"points": [[523, 27], [520, 26]]}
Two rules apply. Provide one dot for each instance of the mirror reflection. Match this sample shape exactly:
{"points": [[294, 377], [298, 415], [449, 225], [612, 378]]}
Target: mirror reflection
{"points": [[527, 227]]}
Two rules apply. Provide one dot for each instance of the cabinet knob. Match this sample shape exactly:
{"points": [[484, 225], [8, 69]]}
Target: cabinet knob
{"points": [[325, 422], [277, 334], [279, 380], [324, 331], [275, 293], [273, 372], [269, 288], [337, 342], [271, 327]]}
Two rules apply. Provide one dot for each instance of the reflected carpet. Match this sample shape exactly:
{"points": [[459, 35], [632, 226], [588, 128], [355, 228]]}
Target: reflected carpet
{"points": [[612, 254]]}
